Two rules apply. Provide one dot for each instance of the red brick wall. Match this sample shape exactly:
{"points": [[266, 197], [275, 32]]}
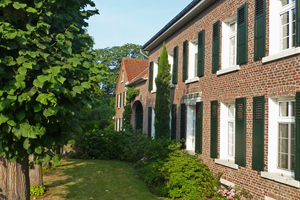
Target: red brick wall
{"points": [[276, 78]]}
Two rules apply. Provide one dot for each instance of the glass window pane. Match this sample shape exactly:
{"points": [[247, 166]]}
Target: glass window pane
{"points": [[285, 18], [283, 130], [283, 161], [292, 162], [283, 109], [196, 64], [293, 111], [283, 146], [231, 110], [293, 131], [232, 27]]}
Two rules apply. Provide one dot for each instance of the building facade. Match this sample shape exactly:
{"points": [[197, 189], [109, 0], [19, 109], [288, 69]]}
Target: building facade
{"points": [[235, 91], [133, 72]]}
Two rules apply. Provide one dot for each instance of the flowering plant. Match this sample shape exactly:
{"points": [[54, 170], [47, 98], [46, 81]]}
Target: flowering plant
{"points": [[231, 193]]}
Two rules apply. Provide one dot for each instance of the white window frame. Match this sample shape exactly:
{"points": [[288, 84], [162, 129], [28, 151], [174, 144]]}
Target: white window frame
{"points": [[226, 159], [226, 66], [274, 173], [275, 52], [193, 57], [118, 124], [124, 98], [152, 125], [123, 75], [155, 71], [171, 62], [273, 146], [225, 119], [191, 128], [119, 101]]}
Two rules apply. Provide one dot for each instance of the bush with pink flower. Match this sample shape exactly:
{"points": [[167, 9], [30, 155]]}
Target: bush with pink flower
{"points": [[232, 193]]}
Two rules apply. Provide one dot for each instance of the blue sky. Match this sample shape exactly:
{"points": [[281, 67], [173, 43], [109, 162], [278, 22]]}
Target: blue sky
{"points": [[131, 21]]}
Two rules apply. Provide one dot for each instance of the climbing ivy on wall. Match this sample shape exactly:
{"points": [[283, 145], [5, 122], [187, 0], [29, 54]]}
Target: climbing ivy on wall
{"points": [[130, 95]]}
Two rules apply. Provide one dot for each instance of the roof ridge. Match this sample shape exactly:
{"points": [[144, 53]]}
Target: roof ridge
{"points": [[139, 74]]}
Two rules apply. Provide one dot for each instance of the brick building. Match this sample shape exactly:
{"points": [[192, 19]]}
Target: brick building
{"points": [[235, 92], [133, 72], [236, 72]]}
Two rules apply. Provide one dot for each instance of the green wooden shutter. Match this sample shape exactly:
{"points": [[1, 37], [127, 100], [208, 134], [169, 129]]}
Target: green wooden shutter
{"points": [[199, 123], [240, 131], [297, 123], [201, 53], [175, 65], [150, 81], [173, 121], [121, 99], [242, 34], [117, 100], [258, 133], [214, 129], [297, 23], [216, 47], [183, 124], [184, 63], [149, 121], [260, 29]]}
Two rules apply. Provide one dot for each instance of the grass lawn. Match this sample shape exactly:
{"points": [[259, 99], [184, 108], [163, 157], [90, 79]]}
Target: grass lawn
{"points": [[94, 179]]}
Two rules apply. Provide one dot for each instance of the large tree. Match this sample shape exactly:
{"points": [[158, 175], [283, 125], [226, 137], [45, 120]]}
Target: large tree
{"points": [[162, 100], [47, 72]]}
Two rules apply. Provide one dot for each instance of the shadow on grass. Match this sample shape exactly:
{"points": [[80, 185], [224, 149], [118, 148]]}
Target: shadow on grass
{"points": [[96, 179]]}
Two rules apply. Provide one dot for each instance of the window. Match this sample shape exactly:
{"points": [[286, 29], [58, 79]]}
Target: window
{"points": [[229, 42], [191, 128], [171, 62], [227, 131], [193, 60], [153, 127], [123, 75], [119, 100], [155, 71], [118, 124], [282, 135], [282, 25]]}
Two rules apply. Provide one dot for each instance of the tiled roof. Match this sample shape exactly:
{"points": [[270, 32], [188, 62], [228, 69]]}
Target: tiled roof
{"points": [[135, 68]]}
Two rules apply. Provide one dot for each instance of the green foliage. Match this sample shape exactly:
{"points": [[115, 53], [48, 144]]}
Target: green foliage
{"points": [[130, 95], [134, 149], [47, 73], [100, 145], [155, 153], [37, 190], [170, 172], [162, 101], [187, 177]]}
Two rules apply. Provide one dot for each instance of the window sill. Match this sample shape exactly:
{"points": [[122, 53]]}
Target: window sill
{"points": [[153, 91], [192, 80], [288, 180], [225, 182], [227, 163], [122, 81], [228, 70], [280, 55]]}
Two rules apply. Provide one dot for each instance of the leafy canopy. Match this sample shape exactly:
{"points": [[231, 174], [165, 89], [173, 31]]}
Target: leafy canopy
{"points": [[47, 72]]}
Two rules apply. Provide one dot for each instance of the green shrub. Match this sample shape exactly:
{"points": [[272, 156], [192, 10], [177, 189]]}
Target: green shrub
{"points": [[155, 153], [134, 148], [37, 190], [187, 177], [99, 145]]}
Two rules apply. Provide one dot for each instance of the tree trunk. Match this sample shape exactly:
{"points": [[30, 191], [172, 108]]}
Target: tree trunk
{"points": [[14, 179], [35, 173]]}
